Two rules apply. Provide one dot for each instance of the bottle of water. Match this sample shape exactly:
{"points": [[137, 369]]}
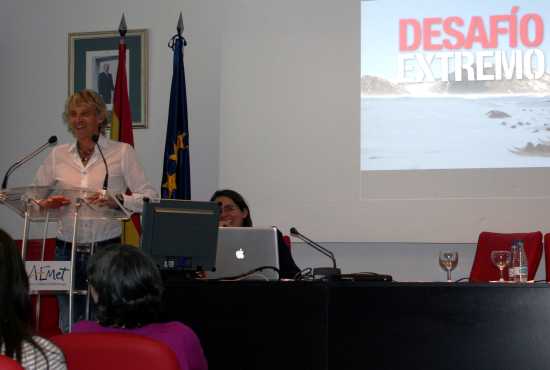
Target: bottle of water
{"points": [[518, 269], [513, 270], [523, 270]]}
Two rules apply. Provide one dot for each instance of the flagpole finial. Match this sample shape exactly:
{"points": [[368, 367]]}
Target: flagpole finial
{"points": [[122, 26], [180, 25]]}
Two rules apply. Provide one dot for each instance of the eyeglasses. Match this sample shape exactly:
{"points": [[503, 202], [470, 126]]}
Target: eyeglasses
{"points": [[228, 208]]}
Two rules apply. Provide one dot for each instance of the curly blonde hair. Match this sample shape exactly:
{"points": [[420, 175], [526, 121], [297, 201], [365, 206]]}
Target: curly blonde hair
{"points": [[86, 97]]}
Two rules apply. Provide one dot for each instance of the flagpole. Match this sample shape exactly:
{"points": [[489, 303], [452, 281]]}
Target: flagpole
{"points": [[121, 125], [122, 29], [176, 183], [180, 25]]}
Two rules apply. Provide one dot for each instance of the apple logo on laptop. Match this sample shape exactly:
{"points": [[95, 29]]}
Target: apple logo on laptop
{"points": [[239, 253]]}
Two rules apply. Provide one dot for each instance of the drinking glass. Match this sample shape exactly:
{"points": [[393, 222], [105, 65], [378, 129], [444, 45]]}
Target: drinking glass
{"points": [[448, 262], [501, 259]]}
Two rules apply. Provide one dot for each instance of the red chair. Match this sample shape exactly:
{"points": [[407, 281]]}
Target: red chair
{"points": [[34, 248], [115, 351], [7, 363], [547, 255], [483, 269], [288, 241], [49, 308]]}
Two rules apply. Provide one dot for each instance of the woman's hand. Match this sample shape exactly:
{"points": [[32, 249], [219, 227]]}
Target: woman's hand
{"points": [[101, 200], [55, 201]]}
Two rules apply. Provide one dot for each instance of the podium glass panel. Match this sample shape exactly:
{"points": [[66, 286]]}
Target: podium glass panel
{"points": [[85, 205], [25, 199]]}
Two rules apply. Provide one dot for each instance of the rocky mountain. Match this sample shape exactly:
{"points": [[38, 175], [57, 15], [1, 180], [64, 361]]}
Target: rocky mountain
{"points": [[524, 86], [373, 85]]}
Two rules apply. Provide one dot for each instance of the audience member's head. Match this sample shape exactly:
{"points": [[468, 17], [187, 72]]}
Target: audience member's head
{"points": [[15, 302], [125, 285], [234, 211]]}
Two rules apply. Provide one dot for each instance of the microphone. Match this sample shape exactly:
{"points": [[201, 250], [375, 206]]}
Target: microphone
{"points": [[95, 139], [51, 141], [324, 271]]}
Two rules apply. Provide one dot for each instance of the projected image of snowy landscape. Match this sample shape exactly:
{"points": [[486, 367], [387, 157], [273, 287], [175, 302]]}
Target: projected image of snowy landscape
{"points": [[474, 131], [454, 87]]}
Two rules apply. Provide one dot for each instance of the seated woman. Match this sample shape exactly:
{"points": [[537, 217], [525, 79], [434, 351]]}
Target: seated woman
{"points": [[127, 288], [234, 212], [16, 338]]}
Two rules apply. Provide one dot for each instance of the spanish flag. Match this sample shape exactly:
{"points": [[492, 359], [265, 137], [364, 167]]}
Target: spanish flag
{"points": [[121, 130]]}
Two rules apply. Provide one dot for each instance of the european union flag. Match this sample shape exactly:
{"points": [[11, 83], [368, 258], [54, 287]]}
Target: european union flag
{"points": [[176, 173]]}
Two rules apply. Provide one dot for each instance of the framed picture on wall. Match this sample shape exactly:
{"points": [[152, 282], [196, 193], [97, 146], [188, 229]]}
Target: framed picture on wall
{"points": [[93, 63]]}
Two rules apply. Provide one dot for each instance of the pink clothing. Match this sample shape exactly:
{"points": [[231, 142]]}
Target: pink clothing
{"points": [[179, 337]]}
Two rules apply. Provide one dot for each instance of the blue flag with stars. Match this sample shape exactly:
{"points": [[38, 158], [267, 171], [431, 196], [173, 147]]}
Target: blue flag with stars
{"points": [[176, 173]]}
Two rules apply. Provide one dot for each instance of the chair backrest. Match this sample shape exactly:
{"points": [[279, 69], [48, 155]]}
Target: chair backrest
{"points": [[483, 269], [7, 363], [49, 315], [115, 351], [547, 255], [34, 247], [288, 241]]}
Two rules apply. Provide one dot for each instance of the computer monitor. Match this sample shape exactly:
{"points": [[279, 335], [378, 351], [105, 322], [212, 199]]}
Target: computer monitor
{"points": [[180, 234]]}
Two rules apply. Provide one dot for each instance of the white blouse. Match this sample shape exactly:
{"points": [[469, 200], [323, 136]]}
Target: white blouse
{"points": [[64, 168]]}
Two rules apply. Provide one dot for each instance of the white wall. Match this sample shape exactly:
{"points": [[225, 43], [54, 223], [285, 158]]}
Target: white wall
{"points": [[290, 133], [221, 91], [35, 80]]}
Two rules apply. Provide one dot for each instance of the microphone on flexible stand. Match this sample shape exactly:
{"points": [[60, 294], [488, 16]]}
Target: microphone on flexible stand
{"points": [[322, 271], [51, 141], [95, 139]]}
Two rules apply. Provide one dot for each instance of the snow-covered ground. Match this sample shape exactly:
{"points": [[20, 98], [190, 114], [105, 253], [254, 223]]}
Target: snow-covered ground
{"points": [[406, 133]]}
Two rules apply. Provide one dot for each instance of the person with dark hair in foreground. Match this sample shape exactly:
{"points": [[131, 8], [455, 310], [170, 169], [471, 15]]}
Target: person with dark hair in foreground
{"points": [[234, 212], [16, 338], [126, 287]]}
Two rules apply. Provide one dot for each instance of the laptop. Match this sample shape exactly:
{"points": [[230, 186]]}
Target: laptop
{"points": [[243, 249]]}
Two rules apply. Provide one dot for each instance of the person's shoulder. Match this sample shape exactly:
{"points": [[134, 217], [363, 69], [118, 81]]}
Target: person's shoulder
{"points": [[173, 327], [110, 145], [190, 342], [62, 148], [46, 344], [85, 326], [117, 145], [178, 325], [54, 355]]}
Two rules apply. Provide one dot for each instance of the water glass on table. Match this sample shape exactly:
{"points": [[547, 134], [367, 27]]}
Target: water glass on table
{"points": [[448, 262], [501, 259]]}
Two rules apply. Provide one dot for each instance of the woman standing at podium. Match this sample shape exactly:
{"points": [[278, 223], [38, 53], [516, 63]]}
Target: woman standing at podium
{"points": [[234, 212], [81, 165]]}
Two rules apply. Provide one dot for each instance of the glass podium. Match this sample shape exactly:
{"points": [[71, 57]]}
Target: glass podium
{"points": [[85, 205]]}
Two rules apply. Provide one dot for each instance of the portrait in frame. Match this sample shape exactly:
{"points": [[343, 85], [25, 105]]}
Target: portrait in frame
{"points": [[93, 63]]}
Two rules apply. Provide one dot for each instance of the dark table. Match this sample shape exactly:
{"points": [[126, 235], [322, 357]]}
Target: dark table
{"points": [[358, 325]]}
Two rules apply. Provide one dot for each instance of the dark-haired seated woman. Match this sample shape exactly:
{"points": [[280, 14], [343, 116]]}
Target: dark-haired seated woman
{"points": [[234, 212], [16, 338], [127, 288]]}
